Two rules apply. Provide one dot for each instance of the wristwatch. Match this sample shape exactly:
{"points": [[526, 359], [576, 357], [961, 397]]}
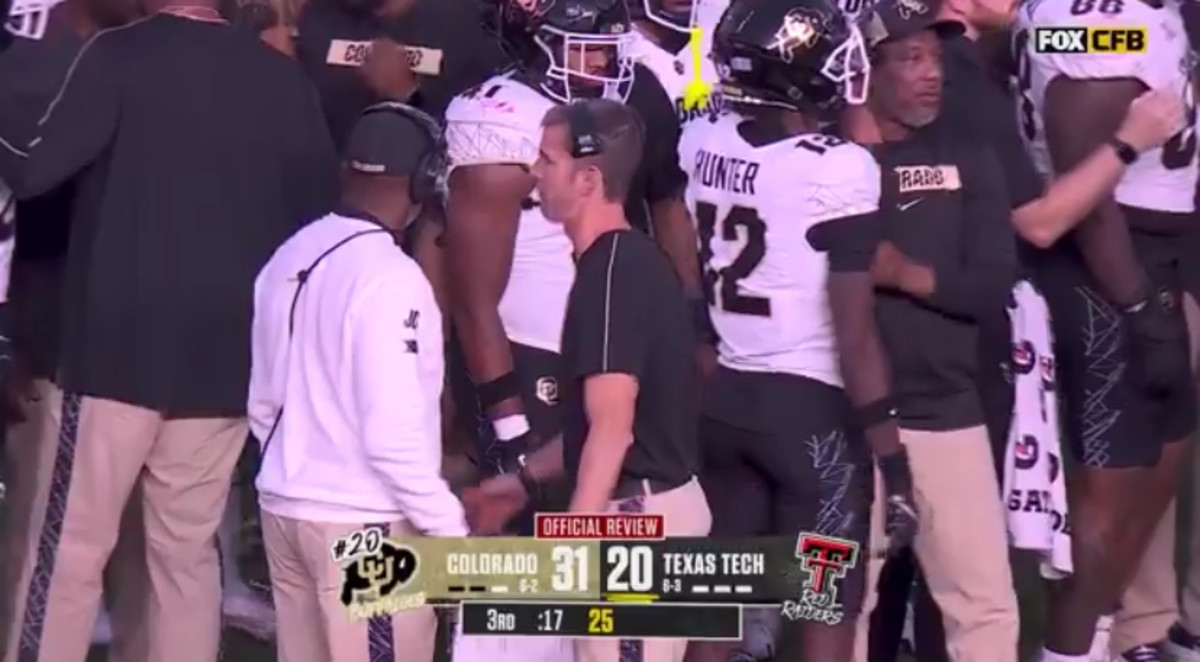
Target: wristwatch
{"points": [[1124, 151]]}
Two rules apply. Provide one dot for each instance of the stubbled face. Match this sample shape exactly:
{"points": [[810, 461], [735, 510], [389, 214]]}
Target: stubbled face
{"points": [[906, 82]]}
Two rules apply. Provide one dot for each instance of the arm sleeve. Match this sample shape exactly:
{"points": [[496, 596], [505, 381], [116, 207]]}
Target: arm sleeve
{"points": [[844, 207], [985, 276], [401, 434], [607, 308], [660, 156], [78, 124]]}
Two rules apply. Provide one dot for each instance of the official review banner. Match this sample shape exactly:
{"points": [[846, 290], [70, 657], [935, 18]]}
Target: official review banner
{"points": [[698, 570]]}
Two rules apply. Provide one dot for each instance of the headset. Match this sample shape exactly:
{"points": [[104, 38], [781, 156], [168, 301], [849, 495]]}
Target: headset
{"points": [[428, 181], [584, 141]]}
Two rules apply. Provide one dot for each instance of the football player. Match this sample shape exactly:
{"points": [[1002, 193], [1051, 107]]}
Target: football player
{"points": [[661, 43], [788, 223], [511, 268], [1114, 290]]}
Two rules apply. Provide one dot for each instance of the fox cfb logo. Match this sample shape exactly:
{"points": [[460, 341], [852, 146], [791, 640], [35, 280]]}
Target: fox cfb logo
{"points": [[375, 569], [1089, 40]]}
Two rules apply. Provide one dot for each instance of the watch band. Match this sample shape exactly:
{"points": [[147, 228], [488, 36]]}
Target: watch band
{"points": [[1126, 153]]}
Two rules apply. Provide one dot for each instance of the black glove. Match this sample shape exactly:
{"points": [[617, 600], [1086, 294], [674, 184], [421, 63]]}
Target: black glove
{"points": [[900, 514], [502, 457], [1158, 341]]}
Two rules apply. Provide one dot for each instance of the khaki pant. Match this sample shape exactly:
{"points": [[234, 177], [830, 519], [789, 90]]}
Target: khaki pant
{"points": [[86, 457], [685, 514], [1149, 606], [968, 574], [313, 624]]}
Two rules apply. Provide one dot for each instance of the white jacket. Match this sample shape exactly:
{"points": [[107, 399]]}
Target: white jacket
{"points": [[359, 383], [1034, 487]]}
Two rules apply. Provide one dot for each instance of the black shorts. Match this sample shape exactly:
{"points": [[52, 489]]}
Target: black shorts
{"points": [[1109, 422], [793, 470], [537, 372]]}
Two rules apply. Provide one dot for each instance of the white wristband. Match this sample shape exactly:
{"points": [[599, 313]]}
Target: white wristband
{"points": [[510, 427]]}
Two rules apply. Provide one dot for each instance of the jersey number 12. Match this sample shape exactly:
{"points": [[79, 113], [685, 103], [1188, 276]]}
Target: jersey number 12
{"points": [[726, 280]]}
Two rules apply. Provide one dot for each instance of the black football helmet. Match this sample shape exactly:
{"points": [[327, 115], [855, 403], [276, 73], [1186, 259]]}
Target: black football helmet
{"points": [[552, 41], [801, 55], [666, 13]]}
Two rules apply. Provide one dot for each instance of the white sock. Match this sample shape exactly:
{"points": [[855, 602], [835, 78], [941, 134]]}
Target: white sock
{"points": [[1051, 656]]}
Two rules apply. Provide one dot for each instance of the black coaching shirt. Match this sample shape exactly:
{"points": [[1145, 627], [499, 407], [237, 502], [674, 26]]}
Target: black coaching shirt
{"points": [[944, 205], [627, 314], [448, 49], [197, 149]]}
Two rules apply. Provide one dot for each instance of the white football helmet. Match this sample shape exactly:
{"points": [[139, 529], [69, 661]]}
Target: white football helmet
{"points": [[28, 18]]}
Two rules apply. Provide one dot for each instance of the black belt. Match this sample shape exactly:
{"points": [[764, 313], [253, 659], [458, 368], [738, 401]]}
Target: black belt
{"points": [[630, 487]]}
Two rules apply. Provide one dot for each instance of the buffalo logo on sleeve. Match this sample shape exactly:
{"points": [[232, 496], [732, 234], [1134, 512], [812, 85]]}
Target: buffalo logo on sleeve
{"points": [[547, 390], [1026, 452], [376, 576]]}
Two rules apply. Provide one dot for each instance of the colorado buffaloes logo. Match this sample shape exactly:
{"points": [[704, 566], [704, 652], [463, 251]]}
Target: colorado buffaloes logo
{"points": [[377, 576], [1166, 299], [909, 8], [547, 390], [799, 31]]}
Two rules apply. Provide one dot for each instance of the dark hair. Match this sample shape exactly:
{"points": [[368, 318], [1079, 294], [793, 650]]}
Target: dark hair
{"points": [[620, 136]]}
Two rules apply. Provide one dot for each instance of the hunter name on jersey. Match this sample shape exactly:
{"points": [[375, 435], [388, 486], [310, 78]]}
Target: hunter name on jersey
{"points": [[1162, 179], [500, 122], [754, 206]]}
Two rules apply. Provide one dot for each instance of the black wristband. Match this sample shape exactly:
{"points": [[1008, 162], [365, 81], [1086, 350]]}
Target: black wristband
{"points": [[498, 390], [1126, 153], [868, 416], [894, 467]]}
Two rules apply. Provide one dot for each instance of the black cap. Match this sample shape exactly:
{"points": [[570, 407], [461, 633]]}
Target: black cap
{"points": [[889, 20], [385, 143]]}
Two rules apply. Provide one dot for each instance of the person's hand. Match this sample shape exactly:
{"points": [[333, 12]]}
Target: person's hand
{"points": [[504, 456], [1152, 119], [889, 265], [1159, 359], [386, 71], [493, 503], [901, 521]]}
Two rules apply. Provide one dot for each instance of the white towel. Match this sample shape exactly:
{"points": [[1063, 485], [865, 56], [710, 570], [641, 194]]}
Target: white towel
{"points": [[1034, 487]]}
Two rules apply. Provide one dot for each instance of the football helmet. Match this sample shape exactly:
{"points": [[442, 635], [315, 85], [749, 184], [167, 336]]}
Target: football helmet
{"points": [[28, 18], [801, 55], [657, 11], [554, 42]]}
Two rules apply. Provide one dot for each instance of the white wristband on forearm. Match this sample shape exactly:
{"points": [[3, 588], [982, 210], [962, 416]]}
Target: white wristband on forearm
{"points": [[510, 427]]}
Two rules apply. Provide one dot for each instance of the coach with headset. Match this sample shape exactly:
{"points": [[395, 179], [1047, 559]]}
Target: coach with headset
{"points": [[345, 388]]}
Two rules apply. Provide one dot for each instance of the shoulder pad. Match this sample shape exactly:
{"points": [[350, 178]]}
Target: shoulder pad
{"points": [[499, 122], [844, 181]]}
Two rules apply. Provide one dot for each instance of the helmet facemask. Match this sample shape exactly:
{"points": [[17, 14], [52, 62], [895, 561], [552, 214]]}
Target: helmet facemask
{"points": [[681, 23], [849, 65], [29, 18], [567, 77]]}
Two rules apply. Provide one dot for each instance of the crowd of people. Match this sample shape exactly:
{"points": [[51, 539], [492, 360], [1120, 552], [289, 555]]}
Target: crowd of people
{"points": [[891, 271]]}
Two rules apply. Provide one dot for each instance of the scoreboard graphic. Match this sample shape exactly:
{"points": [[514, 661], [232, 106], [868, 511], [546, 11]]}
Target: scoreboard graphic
{"points": [[587, 576]]}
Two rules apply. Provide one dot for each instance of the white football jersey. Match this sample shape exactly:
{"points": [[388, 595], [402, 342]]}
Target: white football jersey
{"points": [[501, 122], [753, 208], [1162, 179], [675, 71]]}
